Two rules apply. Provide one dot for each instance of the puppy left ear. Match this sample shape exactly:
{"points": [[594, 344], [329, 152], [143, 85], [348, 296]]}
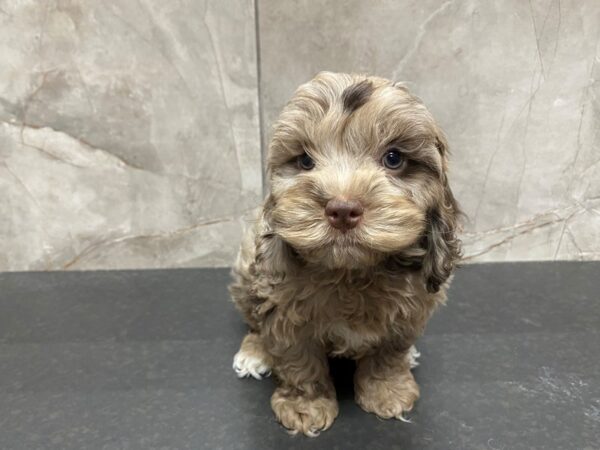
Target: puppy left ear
{"points": [[443, 248]]}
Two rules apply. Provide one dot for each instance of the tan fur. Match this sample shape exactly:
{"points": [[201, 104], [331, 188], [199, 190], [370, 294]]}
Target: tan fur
{"points": [[309, 291], [384, 384]]}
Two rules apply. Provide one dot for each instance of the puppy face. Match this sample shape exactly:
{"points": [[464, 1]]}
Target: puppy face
{"points": [[357, 171]]}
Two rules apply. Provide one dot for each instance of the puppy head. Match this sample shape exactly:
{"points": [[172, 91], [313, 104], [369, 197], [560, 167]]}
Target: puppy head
{"points": [[357, 172]]}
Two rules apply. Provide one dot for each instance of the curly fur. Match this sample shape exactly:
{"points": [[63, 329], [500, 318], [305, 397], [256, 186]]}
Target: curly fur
{"points": [[309, 291]]}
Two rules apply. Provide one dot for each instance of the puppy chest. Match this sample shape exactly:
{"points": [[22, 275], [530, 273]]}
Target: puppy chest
{"points": [[347, 341]]}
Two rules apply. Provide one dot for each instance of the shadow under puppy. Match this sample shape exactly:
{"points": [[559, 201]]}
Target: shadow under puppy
{"points": [[352, 251]]}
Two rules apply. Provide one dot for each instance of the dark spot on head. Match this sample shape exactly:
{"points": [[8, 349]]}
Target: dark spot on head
{"points": [[357, 95]]}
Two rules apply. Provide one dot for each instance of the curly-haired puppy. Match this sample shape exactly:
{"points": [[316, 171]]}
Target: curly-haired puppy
{"points": [[352, 251]]}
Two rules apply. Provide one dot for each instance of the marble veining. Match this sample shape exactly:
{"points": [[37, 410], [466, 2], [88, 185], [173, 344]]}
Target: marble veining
{"points": [[128, 132]]}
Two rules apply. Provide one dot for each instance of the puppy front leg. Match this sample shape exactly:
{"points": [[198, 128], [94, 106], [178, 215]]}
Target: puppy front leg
{"points": [[383, 383], [305, 400]]}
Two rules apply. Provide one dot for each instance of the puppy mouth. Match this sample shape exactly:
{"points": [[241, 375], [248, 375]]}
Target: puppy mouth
{"points": [[348, 237], [345, 237], [345, 232]]}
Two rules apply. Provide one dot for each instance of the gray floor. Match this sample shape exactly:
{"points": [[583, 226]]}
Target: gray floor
{"points": [[142, 360]]}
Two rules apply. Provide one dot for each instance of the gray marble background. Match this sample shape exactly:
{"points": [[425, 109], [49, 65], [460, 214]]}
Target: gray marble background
{"points": [[130, 132]]}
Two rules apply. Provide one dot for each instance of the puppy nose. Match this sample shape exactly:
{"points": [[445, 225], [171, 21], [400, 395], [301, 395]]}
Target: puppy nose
{"points": [[343, 214]]}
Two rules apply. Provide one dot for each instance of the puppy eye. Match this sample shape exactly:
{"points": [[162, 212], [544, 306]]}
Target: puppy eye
{"points": [[392, 159], [305, 162]]}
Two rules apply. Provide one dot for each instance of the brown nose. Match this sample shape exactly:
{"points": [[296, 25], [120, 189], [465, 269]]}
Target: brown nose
{"points": [[343, 214]]}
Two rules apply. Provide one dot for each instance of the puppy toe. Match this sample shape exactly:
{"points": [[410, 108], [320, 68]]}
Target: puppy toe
{"points": [[388, 398], [313, 432], [403, 418], [412, 356], [309, 416], [246, 365]]}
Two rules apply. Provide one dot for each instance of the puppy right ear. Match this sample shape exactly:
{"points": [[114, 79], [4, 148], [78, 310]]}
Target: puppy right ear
{"points": [[273, 256]]}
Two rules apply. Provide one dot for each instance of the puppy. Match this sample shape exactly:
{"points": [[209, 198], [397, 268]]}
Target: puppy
{"points": [[352, 251]]}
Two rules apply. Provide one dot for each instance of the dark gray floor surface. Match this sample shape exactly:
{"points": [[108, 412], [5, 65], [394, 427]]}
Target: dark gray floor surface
{"points": [[142, 360]]}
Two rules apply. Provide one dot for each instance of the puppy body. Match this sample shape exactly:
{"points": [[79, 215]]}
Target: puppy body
{"points": [[309, 287]]}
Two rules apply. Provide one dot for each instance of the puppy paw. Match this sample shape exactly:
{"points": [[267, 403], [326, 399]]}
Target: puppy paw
{"points": [[412, 356], [301, 414], [251, 359], [388, 398], [248, 365]]}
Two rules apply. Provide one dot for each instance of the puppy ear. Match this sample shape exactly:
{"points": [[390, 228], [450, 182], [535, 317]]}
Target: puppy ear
{"points": [[273, 256], [443, 248]]}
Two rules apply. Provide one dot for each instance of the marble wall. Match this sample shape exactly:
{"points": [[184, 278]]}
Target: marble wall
{"points": [[130, 136], [129, 132], [515, 84]]}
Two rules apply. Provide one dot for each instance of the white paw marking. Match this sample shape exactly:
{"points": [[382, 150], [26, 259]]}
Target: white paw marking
{"points": [[246, 365], [413, 354]]}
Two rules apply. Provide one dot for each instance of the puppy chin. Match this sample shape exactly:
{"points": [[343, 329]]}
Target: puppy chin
{"points": [[343, 256], [334, 250]]}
